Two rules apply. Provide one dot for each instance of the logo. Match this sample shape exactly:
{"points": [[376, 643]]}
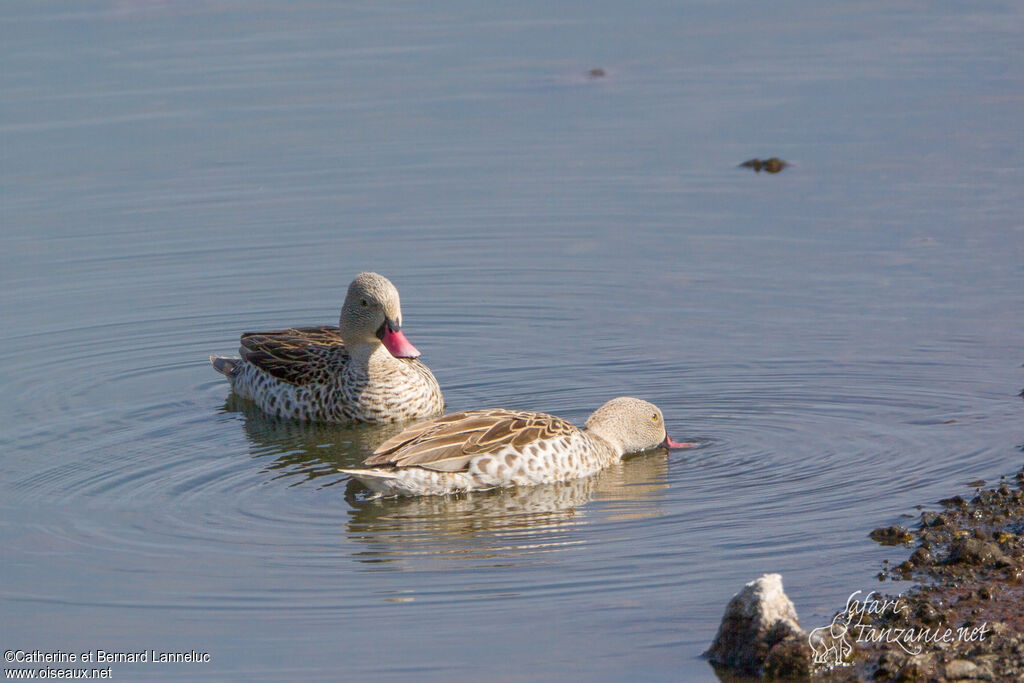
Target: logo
{"points": [[834, 645]]}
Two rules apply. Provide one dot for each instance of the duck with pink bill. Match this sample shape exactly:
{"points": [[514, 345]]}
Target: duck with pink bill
{"points": [[485, 449], [363, 370]]}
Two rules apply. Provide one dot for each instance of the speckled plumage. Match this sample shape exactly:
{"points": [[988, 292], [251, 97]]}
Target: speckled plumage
{"points": [[331, 387], [331, 374], [484, 449]]}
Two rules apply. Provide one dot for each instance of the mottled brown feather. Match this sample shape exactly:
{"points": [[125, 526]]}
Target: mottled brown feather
{"points": [[449, 442], [298, 355]]}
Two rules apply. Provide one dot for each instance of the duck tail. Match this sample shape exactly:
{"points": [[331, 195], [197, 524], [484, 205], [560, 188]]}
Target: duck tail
{"points": [[225, 365], [378, 480]]}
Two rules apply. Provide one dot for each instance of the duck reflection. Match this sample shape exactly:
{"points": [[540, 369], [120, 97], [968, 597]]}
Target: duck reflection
{"points": [[505, 523], [307, 451]]}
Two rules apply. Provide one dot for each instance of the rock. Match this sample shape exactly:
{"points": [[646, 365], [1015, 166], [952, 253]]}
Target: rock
{"points": [[893, 535], [974, 551], [927, 613], [913, 669], [788, 659], [933, 519], [770, 165], [921, 558], [889, 664], [960, 669], [760, 626]]}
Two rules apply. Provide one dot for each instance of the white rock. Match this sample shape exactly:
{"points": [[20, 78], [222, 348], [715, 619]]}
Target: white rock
{"points": [[756, 619]]}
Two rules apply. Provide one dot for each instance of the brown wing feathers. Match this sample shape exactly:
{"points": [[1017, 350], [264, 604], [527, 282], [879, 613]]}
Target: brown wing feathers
{"points": [[449, 442], [293, 355]]}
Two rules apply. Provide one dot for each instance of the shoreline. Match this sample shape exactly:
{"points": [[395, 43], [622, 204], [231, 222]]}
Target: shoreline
{"points": [[962, 620], [968, 565]]}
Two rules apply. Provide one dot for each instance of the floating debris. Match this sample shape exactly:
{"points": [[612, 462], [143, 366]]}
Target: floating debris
{"points": [[596, 73], [772, 165]]}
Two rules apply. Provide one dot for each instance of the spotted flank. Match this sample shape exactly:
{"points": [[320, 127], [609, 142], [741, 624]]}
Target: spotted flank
{"points": [[364, 370], [484, 449]]}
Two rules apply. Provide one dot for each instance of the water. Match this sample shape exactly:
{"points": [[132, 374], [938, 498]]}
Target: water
{"points": [[843, 338]]}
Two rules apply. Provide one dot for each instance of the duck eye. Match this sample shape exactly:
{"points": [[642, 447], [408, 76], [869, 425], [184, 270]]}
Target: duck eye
{"points": [[654, 418], [362, 302]]}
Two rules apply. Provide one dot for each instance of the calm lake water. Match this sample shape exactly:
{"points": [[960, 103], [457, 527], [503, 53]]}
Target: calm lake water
{"points": [[844, 338]]}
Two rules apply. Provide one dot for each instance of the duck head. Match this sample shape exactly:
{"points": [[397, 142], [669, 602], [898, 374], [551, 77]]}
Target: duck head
{"points": [[372, 313], [632, 425]]}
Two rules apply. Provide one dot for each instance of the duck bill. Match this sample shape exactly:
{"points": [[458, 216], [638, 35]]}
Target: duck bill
{"points": [[390, 334], [675, 445]]}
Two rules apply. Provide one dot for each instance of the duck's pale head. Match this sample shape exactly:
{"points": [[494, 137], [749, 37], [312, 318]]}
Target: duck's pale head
{"points": [[632, 425], [372, 312]]}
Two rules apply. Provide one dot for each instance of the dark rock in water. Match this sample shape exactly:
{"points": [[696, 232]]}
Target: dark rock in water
{"points": [[933, 519], [975, 551], [893, 535], [921, 558], [596, 73], [771, 165], [760, 633], [789, 659]]}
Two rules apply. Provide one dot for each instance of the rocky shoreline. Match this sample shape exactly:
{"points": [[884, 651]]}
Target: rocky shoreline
{"points": [[963, 621]]}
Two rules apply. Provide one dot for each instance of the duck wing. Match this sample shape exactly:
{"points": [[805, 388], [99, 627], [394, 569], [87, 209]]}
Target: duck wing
{"points": [[449, 442], [298, 355]]}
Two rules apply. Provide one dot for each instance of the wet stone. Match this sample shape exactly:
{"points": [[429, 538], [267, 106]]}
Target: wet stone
{"points": [[960, 669], [921, 558], [973, 551], [893, 535], [759, 620], [928, 614], [788, 659], [770, 165], [889, 663]]}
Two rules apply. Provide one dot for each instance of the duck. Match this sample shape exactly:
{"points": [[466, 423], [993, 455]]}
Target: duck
{"points": [[363, 370], [494, 448]]}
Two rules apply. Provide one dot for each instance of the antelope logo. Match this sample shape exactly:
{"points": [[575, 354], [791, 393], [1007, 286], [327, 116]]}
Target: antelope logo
{"points": [[831, 644]]}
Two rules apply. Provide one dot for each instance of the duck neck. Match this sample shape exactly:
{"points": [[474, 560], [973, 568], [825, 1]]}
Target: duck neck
{"points": [[370, 356], [610, 448]]}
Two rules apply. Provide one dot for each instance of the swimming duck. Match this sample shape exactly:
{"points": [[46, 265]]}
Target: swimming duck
{"points": [[483, 449], [364, 370]]}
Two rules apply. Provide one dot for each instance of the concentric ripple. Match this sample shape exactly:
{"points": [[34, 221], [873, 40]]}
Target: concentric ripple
{"points": [[842, 339]]}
